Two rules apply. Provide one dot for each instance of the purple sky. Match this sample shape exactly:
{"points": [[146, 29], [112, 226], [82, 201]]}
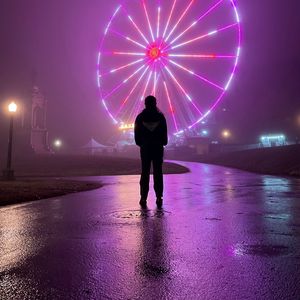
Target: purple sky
{"points": [[59, 40]]}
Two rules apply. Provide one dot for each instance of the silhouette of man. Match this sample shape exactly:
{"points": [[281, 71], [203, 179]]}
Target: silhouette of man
{"points": [[151, 135]]}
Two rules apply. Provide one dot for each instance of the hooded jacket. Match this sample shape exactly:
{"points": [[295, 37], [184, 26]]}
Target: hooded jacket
{"points": [[150, 128]]}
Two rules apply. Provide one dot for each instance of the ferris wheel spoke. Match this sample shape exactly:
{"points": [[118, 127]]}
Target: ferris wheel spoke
{"points": [[169, 18], [135, 26], [114, 70], [208, 112], [139, 100], [188, 97], [170, 106], [128, 38], [154, 81], [132, 90], [211, 33], [182, 114], [213, 56], [148, 20], [158, 22], [123, 82], [181, 17], [212, 8], [127, 53], [143, 94], [195, 74]]}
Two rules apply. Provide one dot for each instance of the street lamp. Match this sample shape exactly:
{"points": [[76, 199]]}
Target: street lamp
{"points": [[226, 134], [57, 143], [8, 173]]}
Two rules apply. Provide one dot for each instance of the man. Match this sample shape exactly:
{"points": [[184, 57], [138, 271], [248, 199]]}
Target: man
{"points": [[150, 133]]}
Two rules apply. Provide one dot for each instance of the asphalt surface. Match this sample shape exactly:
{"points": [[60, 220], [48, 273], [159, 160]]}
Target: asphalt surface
{"points": [[221, 234]]}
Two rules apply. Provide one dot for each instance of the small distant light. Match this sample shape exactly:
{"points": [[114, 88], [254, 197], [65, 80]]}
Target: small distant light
{"points": [[126, 126], [204, 132], [212, 32], [57, 143], [226, 133], [12, 107]]}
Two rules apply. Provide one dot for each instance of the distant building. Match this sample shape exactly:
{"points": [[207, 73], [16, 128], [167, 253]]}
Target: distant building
{"points": [[273, 140], [39, 133]]}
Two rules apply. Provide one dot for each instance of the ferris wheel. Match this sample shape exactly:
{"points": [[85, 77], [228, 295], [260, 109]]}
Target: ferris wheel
{"points": [[183, 52]]}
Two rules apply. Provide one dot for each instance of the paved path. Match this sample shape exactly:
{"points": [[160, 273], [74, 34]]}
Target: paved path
{"points": [[222, 234]]}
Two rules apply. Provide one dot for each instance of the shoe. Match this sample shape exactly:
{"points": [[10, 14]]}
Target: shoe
{"points": [[143, 202], [159, 201]]}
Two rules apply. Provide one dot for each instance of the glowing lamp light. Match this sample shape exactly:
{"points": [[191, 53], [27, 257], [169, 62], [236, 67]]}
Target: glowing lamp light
{"points": [[57, 143], [8, 173], [12, 107], [226, 133]]}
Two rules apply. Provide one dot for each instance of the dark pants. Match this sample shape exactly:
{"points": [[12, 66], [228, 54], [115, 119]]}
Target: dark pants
{"points": [[154, 155]]}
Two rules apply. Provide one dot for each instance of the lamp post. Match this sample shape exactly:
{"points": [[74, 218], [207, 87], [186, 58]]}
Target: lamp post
{"points": [[8, 173]]}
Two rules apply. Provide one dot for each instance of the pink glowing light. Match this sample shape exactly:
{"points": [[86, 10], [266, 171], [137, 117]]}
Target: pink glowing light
{"points": [[195, 22], [122, 67], [169, 18], [183, 90], [148, 20], [147, 60], [128, 38], [181, 17], [202, 56], [158, 22], [171, 106], [204, 36], [138, 106], [123, 82], [132, 90], [195, 74], [154, 52], [138, 29], [129, 53]]}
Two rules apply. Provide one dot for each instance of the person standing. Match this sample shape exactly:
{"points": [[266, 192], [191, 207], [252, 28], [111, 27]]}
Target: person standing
{"points": [[151, 135]]}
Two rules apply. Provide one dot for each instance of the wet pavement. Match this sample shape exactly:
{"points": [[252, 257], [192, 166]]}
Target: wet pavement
{"points": [[221, 234]]}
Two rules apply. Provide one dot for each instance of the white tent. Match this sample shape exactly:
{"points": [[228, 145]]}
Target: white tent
{"points": [[92, 144], [93, 147]]}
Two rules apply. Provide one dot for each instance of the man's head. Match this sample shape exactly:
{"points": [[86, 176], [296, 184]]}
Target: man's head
{"points": [[150, 102]]}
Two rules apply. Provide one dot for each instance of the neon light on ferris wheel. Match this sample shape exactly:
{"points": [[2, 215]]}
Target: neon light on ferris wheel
{"points": [[155, 49]]}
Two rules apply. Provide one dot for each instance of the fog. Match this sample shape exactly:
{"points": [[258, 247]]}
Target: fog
{"points": [[54, 44]]}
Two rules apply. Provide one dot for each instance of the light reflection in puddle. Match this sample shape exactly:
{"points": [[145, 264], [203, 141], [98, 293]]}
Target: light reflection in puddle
{"points": [[266, 250]]}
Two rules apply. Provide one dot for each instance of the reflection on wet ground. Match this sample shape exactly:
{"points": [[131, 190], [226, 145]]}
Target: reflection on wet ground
{"points": [[221, 233]]}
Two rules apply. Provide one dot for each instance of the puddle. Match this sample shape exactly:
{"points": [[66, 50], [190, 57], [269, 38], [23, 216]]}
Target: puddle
{"points": [[138, 214], [260, 250], [213, 219]]}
